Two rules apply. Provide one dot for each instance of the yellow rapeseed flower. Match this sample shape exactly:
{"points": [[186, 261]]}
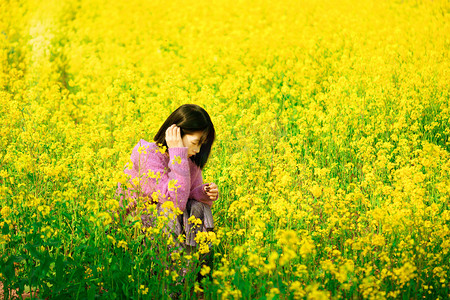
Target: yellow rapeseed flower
{"points": [[205, 270], [122, 244], [176, 159], [172, 185], [5, 211]]}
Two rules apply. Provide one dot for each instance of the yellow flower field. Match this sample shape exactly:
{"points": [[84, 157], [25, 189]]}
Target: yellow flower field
{"points": [[332, 154]]}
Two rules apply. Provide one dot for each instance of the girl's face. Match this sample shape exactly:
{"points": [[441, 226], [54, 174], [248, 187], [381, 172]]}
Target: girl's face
{"points": [[192, 142]]}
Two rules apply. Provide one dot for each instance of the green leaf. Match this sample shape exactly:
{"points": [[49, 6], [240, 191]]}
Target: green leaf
{"points": [[33, 252], [5, 229]]}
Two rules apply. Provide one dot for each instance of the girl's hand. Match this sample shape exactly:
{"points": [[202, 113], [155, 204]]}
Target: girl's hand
{"points": [[212, 191], [173, 137]]}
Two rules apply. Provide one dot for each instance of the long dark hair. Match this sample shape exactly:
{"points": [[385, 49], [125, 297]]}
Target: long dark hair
{"points": [[191, 118]]}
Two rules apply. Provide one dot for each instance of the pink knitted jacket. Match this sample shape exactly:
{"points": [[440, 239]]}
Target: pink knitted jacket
{"points": [[179, 178]]}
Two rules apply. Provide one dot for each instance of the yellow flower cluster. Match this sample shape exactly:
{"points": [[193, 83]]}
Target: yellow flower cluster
{"points": [[143, 289], [176, 159], [205, 240]]}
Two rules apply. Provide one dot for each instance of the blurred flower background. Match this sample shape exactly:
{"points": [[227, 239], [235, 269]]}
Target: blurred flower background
{"points": [[332, 152]]}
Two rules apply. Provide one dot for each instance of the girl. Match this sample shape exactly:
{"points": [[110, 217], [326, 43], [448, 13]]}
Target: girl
{"points": [[176, 174]]}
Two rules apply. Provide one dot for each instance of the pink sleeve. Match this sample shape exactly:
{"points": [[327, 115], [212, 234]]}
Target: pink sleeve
{"points": [[198, 193], [135, 170], [149, 162], [177, 174]]}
